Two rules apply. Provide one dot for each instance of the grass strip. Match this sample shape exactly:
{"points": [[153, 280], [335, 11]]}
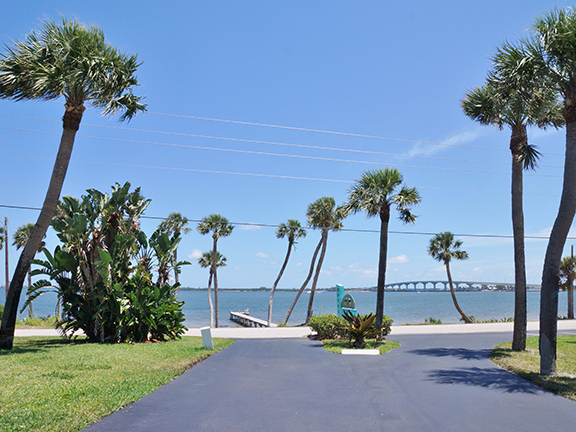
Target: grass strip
{"points": [[48, 385], [336, 345], [526, 364]]}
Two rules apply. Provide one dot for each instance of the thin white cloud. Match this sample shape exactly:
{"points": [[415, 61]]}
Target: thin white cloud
{"points": [[195, 254], [421, 149], [400, 259], [262, 255]]}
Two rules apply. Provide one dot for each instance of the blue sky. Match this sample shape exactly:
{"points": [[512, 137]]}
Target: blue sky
{"points": [[395, 71]]}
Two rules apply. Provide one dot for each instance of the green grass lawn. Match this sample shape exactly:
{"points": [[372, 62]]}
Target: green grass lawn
{"points": [[48, 385], [336, 345], [527, 365]]}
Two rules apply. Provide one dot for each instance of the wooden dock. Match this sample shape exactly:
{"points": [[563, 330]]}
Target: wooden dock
{"points": [[244, 318]]}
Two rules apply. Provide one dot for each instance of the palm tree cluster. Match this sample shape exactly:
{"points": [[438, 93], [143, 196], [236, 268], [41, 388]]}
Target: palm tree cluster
{"points": [[74, 62], [533, 83]]}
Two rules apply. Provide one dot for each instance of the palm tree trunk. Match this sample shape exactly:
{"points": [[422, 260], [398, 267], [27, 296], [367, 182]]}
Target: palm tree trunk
{"points": [[456, 305], [520, 318], [214, 258], [277, 281], [176, 276], [570, 302], [324, 240], [301, 290], [210, 300], [384, 220], [550, 276], [71, 123], [30, 313]]}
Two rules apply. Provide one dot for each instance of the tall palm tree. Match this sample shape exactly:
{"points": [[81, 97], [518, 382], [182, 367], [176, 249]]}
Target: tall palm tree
{"points": [[206, 261], [293, 231], [443, 247], [567, 276], [21, 237], [75, 62], [324, 215], [552, 53], [375, 193], [517, 101], [219, 227], [175, 224]]}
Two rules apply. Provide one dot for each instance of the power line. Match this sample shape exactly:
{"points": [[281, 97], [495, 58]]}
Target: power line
{"points": [[258, 175], [310, 228], [298, 145], [285, 155]]}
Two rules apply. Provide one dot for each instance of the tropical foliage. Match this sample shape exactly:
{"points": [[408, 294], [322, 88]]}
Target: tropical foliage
{"points": [[324, 215], [73, 62], [517, 101], [205, 261], [376, 193], [444, 248], [359, 327], [21, 236], [175, 224], [293, 231], [104, 270], [219, 227], [567, 277]]}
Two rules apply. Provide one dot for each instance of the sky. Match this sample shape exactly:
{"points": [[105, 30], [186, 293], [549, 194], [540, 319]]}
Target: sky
{"points": [[258, 108]]}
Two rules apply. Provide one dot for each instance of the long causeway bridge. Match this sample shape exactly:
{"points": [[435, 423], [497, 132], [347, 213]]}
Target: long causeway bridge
{"points": [[435, 285]]}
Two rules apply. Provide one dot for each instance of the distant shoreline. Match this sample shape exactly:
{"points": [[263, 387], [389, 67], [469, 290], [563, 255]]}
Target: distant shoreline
{"points": [[354, 290]]}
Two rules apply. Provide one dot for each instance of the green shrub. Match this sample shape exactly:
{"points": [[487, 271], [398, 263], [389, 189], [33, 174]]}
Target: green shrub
{"points": [[330, 326], [432, 320], [327, 326], [1, 310], [386, 325], [359, 327]]}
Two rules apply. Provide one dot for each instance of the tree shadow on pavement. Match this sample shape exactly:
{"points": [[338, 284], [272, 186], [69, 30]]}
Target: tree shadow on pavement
{"points": [[493, 378], [461, 353]]}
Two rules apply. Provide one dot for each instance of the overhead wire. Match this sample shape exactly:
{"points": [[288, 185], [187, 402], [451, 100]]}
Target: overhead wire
{"points": [[283, 154], [264, 225]]}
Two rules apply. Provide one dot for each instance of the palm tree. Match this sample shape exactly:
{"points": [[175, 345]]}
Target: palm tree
{"points": [[21, 237], [442, 247], [553, 54], [517, 101], [175, 224], [324, 215], [75, 62], [567, 276], [293, 231], [206, 261], [219, 227], [376, 193]]}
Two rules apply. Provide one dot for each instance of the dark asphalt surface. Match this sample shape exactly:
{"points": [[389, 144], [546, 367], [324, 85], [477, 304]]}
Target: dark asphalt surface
{"points": [[430, 383]]}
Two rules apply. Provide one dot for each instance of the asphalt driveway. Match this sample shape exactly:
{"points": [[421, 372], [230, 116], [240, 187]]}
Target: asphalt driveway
{"points": [[442, 382]]}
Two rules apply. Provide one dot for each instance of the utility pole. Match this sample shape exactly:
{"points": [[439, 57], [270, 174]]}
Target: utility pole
{"points": [[6, 249]]}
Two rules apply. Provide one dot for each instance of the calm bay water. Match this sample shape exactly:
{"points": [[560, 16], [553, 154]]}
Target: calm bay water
{"points": [[402, 307]]}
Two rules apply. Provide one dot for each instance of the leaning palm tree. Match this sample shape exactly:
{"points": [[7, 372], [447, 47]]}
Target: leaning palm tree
{"points": [[293, 231], [567, 276], [324, 215], [375, 193], [517, 101], [552, 53], [443, 247], [206, 261], [175, 224], [219, 227], [75, 62], [21, 236]]}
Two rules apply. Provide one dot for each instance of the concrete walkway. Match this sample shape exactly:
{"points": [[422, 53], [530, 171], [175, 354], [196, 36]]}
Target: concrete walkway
{"points": [[441, 382]]}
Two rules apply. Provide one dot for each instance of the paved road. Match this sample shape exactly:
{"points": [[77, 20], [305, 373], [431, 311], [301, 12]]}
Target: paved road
{"points": [[443, 382]]}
